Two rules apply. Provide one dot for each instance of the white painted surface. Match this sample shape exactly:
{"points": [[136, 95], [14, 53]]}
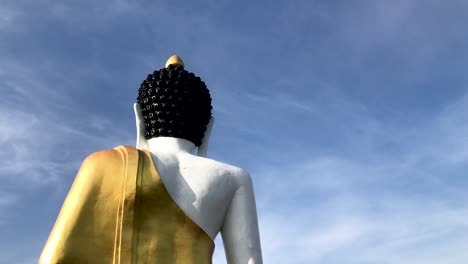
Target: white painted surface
{"points": [[216, 196]]}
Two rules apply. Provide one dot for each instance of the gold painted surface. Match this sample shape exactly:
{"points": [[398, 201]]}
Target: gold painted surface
{"points": [[118, 211], [175, 60]]}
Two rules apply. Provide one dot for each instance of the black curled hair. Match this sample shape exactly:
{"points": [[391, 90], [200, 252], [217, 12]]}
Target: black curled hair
{"points": [[175, 103]]}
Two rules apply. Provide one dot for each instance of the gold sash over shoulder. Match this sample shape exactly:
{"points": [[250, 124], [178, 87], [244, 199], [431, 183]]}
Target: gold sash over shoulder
{"points": [[118, 211]]}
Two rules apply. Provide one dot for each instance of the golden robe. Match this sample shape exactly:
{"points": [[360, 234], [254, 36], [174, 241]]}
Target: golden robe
{"points": [[118, 211]]}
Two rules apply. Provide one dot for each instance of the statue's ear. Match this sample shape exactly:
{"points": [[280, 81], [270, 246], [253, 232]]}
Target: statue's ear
{"points": [[203, 148], [140, 127]]}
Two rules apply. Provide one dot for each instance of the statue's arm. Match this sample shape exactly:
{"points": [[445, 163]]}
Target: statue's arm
{"points": [[56, 246], [240, 228]]}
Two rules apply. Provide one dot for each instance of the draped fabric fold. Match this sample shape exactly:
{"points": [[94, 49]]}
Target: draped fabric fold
{"points": [[118, 211]]}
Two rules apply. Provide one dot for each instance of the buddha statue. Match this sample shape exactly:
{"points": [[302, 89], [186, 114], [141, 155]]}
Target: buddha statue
{"points": [[159, 202]]}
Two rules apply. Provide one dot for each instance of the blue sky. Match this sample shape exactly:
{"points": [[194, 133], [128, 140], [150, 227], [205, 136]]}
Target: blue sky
{"points": [[351, 116]]}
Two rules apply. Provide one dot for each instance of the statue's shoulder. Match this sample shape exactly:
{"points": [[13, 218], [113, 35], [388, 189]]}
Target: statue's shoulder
{"points": [[109, 155], [239, 175]]}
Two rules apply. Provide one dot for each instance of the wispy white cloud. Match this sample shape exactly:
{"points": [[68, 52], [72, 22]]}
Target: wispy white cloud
{"points": [[450, 134], [7, 201], [35, 125], [98, 14], [7, 17], [384, 236], [316, 219]]}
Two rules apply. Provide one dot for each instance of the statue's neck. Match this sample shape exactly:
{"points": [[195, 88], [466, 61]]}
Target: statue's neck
{"points": [[170, 144]]}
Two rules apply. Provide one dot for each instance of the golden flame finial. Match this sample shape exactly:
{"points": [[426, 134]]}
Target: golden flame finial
{"points": [[174, 60]]}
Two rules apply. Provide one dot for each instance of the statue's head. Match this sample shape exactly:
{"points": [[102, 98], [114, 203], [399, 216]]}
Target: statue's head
{"points": [[175, 103]]}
